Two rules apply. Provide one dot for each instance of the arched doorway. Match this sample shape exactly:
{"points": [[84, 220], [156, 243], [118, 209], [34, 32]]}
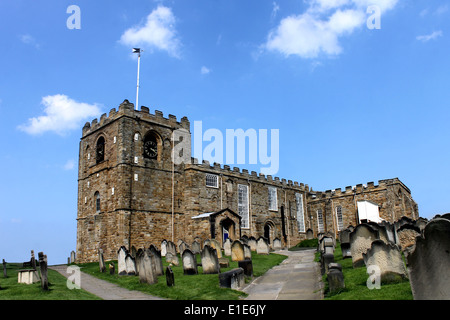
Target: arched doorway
{"points": [[269, 229], [228, 229]]}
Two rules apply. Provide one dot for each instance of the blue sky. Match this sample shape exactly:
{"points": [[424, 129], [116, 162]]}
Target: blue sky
{"points": [[352, 104]]}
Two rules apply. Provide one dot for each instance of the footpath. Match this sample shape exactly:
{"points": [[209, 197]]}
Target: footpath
{"points": [[296, 278]]}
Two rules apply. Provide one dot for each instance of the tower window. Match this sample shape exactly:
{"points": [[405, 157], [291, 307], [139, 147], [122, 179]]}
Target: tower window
{"points": [[212, 180], [273, 199], [340, 218], [97, 202], [100, 150]]}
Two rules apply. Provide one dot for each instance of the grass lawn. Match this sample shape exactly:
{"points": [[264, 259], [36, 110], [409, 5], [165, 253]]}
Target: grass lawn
{"points": [[11, 290], [356, 284], [187, 287]]}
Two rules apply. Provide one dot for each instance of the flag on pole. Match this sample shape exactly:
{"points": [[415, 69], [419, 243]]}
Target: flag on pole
{"points": [[136, 50]]}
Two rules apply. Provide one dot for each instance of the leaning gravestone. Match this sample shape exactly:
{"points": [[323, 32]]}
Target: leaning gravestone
{"points": [[388, 258], [227, 247], [171, 248], [344, 239], [237, 251], [196, 247], [406, 235], [360, 241], [210, 262], [101, 261], [428, 264], [147, 270], [156, 256], [170, 279], [247, 252], [216, 245], [262, 246], [43, 269], [189, 262], [172, 258], [112, 268], [121, 266]]}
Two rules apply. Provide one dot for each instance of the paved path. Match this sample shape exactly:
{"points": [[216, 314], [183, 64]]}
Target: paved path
{"points": [[296, 278], [104, 289]]}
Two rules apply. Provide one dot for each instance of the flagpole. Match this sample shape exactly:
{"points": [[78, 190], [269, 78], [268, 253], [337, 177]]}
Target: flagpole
{"points": [[137, 87]]}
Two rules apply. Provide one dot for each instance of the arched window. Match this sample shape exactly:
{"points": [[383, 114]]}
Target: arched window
{"points": [[340, 218], [97, 202], [151, 146], [100, 150]]}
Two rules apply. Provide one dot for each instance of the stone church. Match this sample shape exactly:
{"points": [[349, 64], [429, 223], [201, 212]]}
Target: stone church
{"points": [[130, 193]]}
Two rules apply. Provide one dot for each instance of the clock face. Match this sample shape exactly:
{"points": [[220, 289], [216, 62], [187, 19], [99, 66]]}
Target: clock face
{"points": [[151, 149]]}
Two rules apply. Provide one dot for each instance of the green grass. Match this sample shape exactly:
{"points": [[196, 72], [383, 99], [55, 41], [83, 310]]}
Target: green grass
{"points": [[11, 290], [305, 244], [356, 284], [187, 287]]}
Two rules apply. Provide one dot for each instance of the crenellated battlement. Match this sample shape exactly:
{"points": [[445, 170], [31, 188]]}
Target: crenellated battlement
{"points": [[217, 168], [126, 108], [357, 189]]}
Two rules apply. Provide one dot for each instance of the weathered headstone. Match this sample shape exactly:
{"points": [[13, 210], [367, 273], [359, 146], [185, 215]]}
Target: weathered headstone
{"points": [[309, 234], [227, 247], [147, 271], [172, 258], [171, 248], [156, 256], [247, 266], [233, 279], [182, 246], [335, 278], [189, 262], [72, 256], [112, 268], [196, 247], [210, 262], [5, 275], [360, 241], [277, 244], [33, 260], [216, 245], [388, 258], [325, 260], [43, 269], [328, 245], [344, 239], [407, 237], [224, 262], [428, 264], [262, 246], [163, 248], [237, 251], [247, 252], [252, 243], [121, 265], [101, 261], [130, 264], [170, 279]]}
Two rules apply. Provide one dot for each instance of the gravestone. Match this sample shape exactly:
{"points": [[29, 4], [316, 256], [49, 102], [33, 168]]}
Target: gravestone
{"points": [[121, 265], [182, 246], [428, 264], [130, 265], [390, 230], [43, 269], [112, 268], [163, 248], [133, 252], [388, 258], [252, 243], [382, 232], [170, 279], [335, 278], [224, 262], [227, 247], [207, 242], [233, 279], [171, 248], [262, 246], [406, 235], [138, 257], [237, 251], [147, 270], [189, 262], [309, 234], [216, 245], [328, 246], [172, 258], [101, 261], [247, 252], [210, 262], [33, 260], [276, 244], [247, 266], [156, 256], [344, 239], [196, 247], [244, 239], [360, 241], [72, 256], [325, 260], [5, 275]]}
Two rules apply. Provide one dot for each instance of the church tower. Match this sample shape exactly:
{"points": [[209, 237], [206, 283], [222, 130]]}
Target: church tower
{"points": [[125, 192]]}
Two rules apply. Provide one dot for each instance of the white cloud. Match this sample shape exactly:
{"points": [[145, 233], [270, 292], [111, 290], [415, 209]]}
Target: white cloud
{"points": [[61, 115], [275, 9], [432, 36], [319, 29], [70, 164], [30, 40], [158, 32], [204, 70]]}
